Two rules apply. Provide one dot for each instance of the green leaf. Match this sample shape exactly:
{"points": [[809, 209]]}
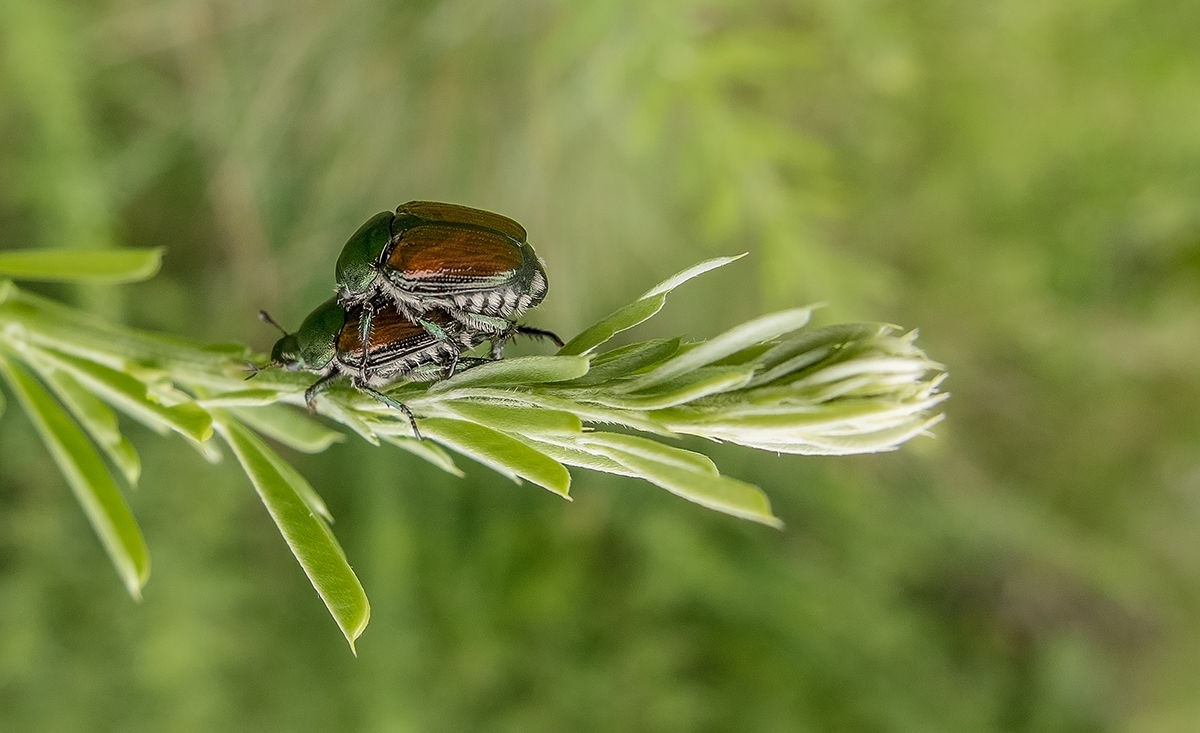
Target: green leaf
{"points": [[824, 444], [98, 421], [426, 450], [829, 336], [84, 471], [501, 453], [841, 427], [619, 320], [521, 370], [309, 538], [115, 265], [289, 426], [303, 489], [832, 343], [734, 340], [627, 360], [878, 368], [791, 366], [522, 420], [638, 311], [666, 468], [242, 398], [686, 459], [687, 388], [350, 419], [695, 270], [586, 411], [568, 451], [129, 395]]}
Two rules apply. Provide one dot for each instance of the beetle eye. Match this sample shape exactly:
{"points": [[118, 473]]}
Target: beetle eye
{"points": [[289, 361]]}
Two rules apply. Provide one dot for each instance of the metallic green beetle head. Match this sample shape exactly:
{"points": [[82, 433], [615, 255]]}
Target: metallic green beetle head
{"points": [[312, 347], [286, 353], [356, 266]]}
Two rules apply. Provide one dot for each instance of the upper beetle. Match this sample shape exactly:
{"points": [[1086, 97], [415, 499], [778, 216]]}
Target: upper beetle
{"points": [[474, 265], [328, 343]]}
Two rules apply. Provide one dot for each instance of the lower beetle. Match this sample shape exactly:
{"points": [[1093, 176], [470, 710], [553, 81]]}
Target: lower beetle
{"points": [[328, 343], [473, 264]]}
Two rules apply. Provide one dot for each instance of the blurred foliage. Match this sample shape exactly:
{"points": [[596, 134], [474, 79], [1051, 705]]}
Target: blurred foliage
{"points": [[1017, 178]]}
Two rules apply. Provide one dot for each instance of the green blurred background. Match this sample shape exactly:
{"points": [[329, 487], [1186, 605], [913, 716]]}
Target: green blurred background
{"points": [[1020, 179]]}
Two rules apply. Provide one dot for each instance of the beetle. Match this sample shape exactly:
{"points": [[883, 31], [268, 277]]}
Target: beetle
{"points": [[427, 256], [329, 344]]}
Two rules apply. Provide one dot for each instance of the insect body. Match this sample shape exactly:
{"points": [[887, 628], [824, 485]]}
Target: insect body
{"points": [[474, 265], [329, 343]]}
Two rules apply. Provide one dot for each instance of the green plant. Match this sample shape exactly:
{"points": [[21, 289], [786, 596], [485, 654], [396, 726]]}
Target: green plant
{"points": [[764, 384]]}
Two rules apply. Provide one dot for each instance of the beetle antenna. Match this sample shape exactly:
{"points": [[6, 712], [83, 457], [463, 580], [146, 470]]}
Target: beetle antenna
{"points": [[266, 318]]}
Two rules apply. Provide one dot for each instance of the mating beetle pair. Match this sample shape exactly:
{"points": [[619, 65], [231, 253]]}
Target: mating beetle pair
{"points": [[472, 264], [416, 289], [328, 343]]}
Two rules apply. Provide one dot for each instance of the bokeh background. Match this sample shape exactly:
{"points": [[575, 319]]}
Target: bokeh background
{"points": [[1019, 179]]}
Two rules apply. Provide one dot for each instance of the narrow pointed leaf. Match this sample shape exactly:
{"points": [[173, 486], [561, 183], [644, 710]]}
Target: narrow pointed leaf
{"points": [[85, 473], [734, 340], [627, 360], [635, 444], [663, 467], [619, 320], [310, 539], [845, 445], [639, 310], [874, 366], [522, 370], [829, 336], [791, 366], [242, 398], [586, 411], [114, 265], [290, 427], [691, 386], [301, 485], [99, 422], [523, 420], [352, 420], [721, 493], [500, 452], [129, 395], [695, 270], [572, 453]]}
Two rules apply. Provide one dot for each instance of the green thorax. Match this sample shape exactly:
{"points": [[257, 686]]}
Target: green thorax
{"points": [[356, 265], [317, 337]]}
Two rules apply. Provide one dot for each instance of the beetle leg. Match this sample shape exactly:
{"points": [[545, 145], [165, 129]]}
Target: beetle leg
{"points": [[396, 404], [364, 335], [322, 384], [453, 365], [513, 329], [539, 333], [433, 329]]}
